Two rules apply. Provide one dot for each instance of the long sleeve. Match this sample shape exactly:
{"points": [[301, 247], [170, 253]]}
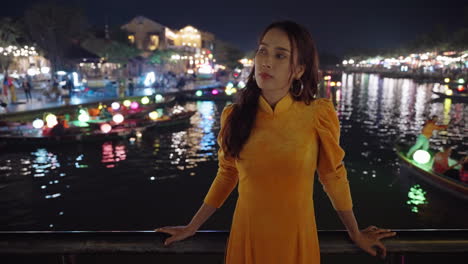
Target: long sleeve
{"points": [[331, 170], [227, 176]]}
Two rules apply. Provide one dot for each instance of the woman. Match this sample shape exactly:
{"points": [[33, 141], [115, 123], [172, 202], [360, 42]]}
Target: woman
{"points": [[271, 142]]}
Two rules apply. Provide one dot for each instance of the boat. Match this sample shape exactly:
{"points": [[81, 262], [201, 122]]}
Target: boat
{"points": [[72, 135], [174, 120], [425, 172], [462, 97]]}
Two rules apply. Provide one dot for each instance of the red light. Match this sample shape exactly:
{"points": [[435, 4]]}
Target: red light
{"points": [[461, 88]]}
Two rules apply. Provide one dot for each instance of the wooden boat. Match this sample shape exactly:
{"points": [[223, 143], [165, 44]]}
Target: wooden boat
{"points": [[462, 97], [175, 120], [424, 171], [73, 135]]}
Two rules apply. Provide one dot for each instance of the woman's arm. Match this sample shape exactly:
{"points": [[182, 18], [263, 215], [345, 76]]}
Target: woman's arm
{"points": [[182, 232], [201, 216], [368, 238]]}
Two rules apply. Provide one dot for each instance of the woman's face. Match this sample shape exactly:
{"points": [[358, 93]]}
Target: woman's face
{"points": [[272, 62]]}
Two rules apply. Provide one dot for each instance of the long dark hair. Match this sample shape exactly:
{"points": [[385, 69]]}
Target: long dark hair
{"points": [[239, 123]]}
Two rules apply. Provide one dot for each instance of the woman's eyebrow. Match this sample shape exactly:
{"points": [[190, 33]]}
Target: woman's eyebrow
{"points": [[278, 48]]}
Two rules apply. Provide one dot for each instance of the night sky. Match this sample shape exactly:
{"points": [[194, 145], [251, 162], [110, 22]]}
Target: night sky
{"points": [[335, 25]]}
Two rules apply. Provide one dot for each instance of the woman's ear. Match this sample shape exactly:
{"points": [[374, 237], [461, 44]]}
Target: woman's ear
{"points": [[299, 72]]}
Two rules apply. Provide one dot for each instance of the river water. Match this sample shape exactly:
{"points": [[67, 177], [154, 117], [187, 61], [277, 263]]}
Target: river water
{"points": [[162, 178]]}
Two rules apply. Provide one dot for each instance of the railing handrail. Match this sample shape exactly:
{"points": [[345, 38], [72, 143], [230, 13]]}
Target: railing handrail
{"points": [[214, 242]]}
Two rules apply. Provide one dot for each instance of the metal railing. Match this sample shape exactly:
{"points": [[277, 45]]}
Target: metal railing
{"points": [[72, 243]]}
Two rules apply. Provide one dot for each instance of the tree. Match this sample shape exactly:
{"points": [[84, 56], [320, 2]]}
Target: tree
{"points": [[10, 34], [161, 56], [227, 54], [53, 28]]}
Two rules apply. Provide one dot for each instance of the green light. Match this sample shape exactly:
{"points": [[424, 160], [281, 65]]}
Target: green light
{"points": [[198, 93], [417, 196], [230, 85], [461, 81], [158, 97]]}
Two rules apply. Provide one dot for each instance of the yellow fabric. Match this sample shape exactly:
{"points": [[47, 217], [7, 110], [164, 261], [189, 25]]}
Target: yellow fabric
{"points": [[274, 219]]}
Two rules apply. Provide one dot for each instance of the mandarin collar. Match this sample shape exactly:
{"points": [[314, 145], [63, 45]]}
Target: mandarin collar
{"points": [[281, 106]]}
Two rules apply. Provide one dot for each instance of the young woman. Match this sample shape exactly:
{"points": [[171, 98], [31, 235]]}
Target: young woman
{"points": [[272, 140]]}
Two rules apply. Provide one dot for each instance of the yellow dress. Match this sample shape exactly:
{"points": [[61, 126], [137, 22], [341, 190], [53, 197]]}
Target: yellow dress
{"points": [[274, 219]]}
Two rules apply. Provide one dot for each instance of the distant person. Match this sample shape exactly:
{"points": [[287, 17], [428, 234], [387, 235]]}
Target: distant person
{"points": [[131, 87], [422, 141], [442, 164], [27, 87], [70, 86], [5, 89], [59, 129]]}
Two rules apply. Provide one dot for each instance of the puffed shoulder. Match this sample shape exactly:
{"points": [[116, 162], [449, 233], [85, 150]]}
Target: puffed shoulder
{"points": [[325, 115]]}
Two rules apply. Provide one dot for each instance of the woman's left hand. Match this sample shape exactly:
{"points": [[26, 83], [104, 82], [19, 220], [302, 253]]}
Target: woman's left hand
{"points": [[370, 237]]}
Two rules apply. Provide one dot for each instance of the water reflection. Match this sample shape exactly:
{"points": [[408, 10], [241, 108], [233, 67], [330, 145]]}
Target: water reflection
{"points": [[416, 197]]}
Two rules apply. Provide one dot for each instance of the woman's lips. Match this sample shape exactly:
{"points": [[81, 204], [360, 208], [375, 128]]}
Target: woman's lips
{"points": [[265, 76]]}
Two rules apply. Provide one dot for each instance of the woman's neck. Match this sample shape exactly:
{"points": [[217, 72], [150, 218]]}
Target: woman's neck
{"points": [[273, 97]]}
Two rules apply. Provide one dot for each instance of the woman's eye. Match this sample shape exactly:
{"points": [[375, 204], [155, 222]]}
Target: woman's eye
{"points": [[280, 56]]}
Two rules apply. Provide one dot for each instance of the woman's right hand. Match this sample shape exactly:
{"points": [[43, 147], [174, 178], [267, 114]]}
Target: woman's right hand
{"points": [[177, 233]]}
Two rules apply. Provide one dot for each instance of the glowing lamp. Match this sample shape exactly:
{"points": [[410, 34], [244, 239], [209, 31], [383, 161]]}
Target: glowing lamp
{"points": [[333, 84], [38, 123], [241, 84], [229, 85], [461, 81], [145, 100], [447, 80], [158, 97], [106, 128], [115, 106], [153, 115], [51, 120], [421, 156], [134, 105], [138, 134], [118, 118], [214, 92], [449, 92], [198, 93], [127, 103], [228, 92], [327, 78], [461, 88], [233, 90], [338, 84]]}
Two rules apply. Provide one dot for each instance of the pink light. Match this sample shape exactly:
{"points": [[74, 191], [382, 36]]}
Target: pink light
{"points": [[134, 105], [215, 92], [106, 128]]}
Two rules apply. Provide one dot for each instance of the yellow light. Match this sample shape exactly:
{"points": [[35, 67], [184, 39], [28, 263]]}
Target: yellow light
{"points": [[449, 92], [447, 80], [127, 103], [145, 100], [333, 84], [327, 78], [153, 115]]}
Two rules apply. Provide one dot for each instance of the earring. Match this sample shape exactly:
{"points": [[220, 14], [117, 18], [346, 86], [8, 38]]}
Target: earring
{"points": [[300, 91]]}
